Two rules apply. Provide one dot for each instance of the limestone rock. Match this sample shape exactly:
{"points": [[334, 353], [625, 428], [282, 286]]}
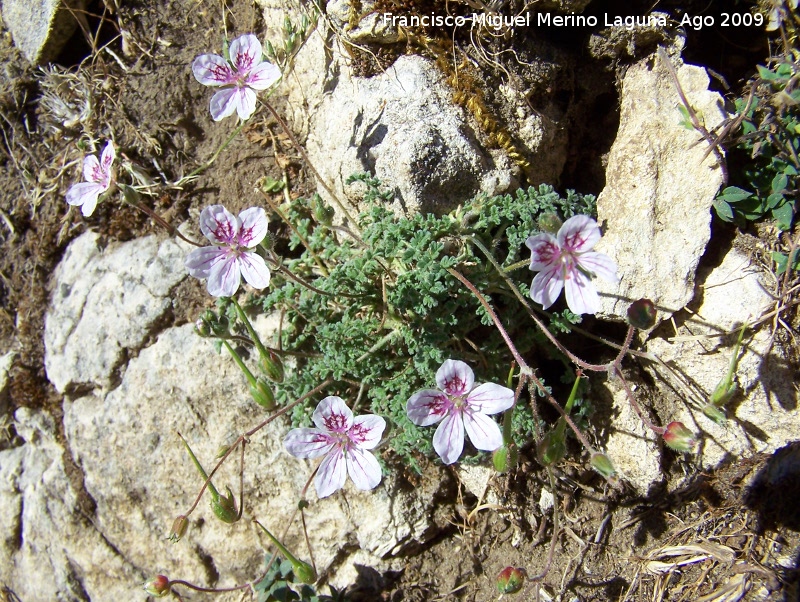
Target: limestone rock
{"points": [[104, 306], [655, 208], [41, 27]]}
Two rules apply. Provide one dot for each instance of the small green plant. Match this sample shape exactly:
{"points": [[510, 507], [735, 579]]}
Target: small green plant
{"points": [[281, 585], [765, 164]]}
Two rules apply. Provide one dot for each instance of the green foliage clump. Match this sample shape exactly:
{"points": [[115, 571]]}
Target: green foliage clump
{"points": [[764, 162], [390, 313], [280, 585]]}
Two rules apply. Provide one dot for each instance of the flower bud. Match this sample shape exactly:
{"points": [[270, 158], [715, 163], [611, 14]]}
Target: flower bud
{"points": [[218, 325], [505, 458], [551, 449], [511, 579], [716, 414], [179, 527], [723, 392], [273, 367], [601, 463], [322, 213], [221, 451], [224, 507], [159, 586], [680, 438], [262, 394], [549, 222], [642, 314], [304, 572], [202, 328]]}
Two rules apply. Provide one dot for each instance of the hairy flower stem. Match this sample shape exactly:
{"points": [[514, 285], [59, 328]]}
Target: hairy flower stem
{"points": [[658, 430], [242, 439]]}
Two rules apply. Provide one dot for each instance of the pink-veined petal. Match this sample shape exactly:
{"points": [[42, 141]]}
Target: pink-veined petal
{"points": [[224, 277], [582, 297], [212, 70], [332, 473], [91, 170], [246, 103], [333, 415], [200, 261], [219, 225], [490, 398], [578, 234], [245, 52], [448, 440], [364, 469], [308, 443], [366, 431], [254, 269], [253, 227], [545, 251], [483, 431], [224, 103], [107, 159], [546, 286], [454, 377], [85, 194], [427, 407], [599, 264], [263, 76]]}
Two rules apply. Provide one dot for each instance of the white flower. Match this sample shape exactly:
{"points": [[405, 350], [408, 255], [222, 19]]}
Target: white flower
{"points": [[240, 77], [344, 441], [458, 406], [225, 263], [98, 176]]}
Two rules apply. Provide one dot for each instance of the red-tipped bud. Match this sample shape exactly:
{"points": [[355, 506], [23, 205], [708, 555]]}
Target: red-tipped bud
{"points": [[549, 222], [179, 527], [680, 438], [159, 586], [511, 579], [642, 314]]}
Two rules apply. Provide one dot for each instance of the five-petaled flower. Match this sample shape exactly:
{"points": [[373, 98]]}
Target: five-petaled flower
{"points": [[459, 406], [565, 261], [344, 441], [245, 73], [230, 258], [98, 176]]}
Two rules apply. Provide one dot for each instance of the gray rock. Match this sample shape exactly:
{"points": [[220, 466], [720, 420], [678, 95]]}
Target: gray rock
{"points": [[655, 208], [105, 305], [40, 28]]}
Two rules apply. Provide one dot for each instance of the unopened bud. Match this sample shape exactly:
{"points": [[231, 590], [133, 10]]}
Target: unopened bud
{"points": [[551, 449], [304, 572], [642, 314], [723, 392], [159, 586], [716, 414], [273, 367], [221, 451], [219, 326], [680, 438], [322, 213], [505, 458], [601, 463], [179, 527], [511, 579], [224, 507], [262, 394], [549, 222]]}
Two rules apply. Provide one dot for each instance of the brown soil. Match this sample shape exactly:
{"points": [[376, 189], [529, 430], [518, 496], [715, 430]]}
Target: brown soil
{"points": [[147, 101]]}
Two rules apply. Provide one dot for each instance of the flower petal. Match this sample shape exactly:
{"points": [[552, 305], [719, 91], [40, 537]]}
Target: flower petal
{"points": [[224, 103], [582, 297], [224, 277], [246, 103], [364, 469], [91, 170], [490, 398], [254, 269], [308, 443], [483, 431], [245, 52], [366, 431], [578, 234], [333, 415], [454, 377], [428, 407], [331, 474], [212, 70], [546, 286], [200, 261], [253, 227], [545, 251], [448, 440], [218, 225], [107, 159], [263, 76], [599, 264], [85, 194]]}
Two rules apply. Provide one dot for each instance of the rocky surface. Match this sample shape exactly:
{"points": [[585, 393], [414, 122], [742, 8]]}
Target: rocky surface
{"points": [[41, 27]]}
